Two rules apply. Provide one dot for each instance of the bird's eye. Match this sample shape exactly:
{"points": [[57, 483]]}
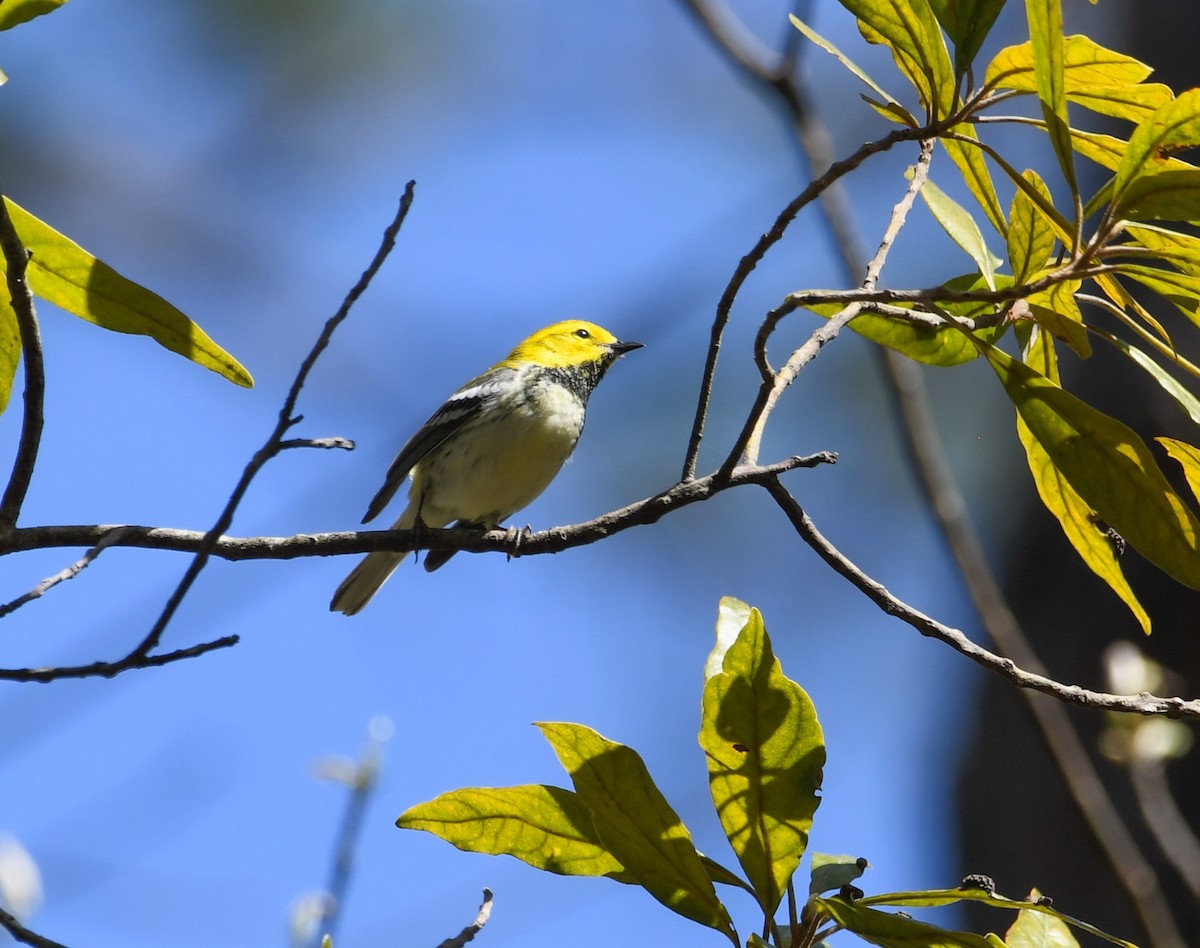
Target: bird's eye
{"points": [[582, 333]]}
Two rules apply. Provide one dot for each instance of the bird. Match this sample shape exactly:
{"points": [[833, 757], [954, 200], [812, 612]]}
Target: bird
{"points": [[492, 447]]}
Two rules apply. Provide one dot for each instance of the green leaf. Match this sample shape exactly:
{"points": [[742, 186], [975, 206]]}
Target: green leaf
{"points": [[969, 160], [1188, 457], [1108, 465], [894, 931], [13, 12], [1181, 289], [765, 754], [63, 273], [1056, 310], [732, 616], [910, 30], [1172, 195], [1130, 103], [1176, 125], [10, 353], [814, 37], [1172, 386], [1049, 66], [636, 824], [833, 872], [1038, 930], [1086, 64], [544, 826], [967, 23], [1077, 519], [940, 897], [1182, 251], [1030, 235], [961, 228]]}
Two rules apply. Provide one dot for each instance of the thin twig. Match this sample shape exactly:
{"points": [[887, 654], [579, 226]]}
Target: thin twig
{"points": [[751, 260], [70, 572], [746, 447], [469, 933], [130, 662], [958, 640], [22, 934], [274, 443], [16, 261]]}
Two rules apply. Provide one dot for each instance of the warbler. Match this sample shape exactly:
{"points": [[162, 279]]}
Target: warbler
{"points": [[493, 447]]}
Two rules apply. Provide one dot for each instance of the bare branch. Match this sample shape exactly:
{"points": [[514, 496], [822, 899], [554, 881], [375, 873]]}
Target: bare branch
{"points": [[22, 934], [875, 591], [69, 573], [469, 933], [775, 383], [130, 662], [16, 260], [274, 443], [554, 540]]}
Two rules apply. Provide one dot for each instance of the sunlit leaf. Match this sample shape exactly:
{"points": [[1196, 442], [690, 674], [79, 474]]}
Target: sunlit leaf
{"points": [[1049, 65], [1116, 291], [889, 930], [1131, 103], [1077, 519], [544, 826], [969, 160], [1182, 251], [1030, 235], [63, 273], [962, 229], [636, 824], [814, 37], [14, 12], [765, 754], [1172, 386], [1188, 457], [967, 23], [1174, 126], [1181, 289], [1056, 310], [910, 30], [832, 872], [10, 353], [1109, 466], [1039, 930], [1172, 195], [1085, 64], [732, 616]]}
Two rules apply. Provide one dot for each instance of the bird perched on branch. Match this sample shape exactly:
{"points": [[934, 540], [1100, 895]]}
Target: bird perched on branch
{"points": [[493, 447]]}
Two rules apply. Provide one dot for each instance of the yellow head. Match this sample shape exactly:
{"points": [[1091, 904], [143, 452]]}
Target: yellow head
{"points": [[572, 342]]}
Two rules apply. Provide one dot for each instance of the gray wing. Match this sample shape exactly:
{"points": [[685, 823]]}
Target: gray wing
{"points": [[459, 409]]}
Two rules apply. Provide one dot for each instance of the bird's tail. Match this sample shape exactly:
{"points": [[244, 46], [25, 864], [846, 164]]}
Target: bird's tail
{"points": [[369, 575]]}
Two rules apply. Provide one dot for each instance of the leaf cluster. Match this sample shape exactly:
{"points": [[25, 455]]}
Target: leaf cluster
{"points": [[1082, 267], [765, 754]]}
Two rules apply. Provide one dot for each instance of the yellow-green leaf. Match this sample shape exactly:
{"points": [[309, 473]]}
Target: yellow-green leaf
{"points": [[910, 30], [962, 229], [10, 353], [13, 12], [1030, 235], [636, 824], [1085, 64], [544, 826], [1171, 385], [1174, 126], [969, 160], [1077, 519], [1131, 103], [967, 23], [1049, 65], [1039, 930], [1181, 289], [1056, 310], [1109, 466], [1182, 251], [814, 37], [1188, 457], [63, 273], [765, 754], [1172, 195], [890, 930], [830, 872]]}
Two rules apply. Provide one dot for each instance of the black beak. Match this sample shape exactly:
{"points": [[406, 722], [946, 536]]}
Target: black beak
{"points": [[620, 348]]}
